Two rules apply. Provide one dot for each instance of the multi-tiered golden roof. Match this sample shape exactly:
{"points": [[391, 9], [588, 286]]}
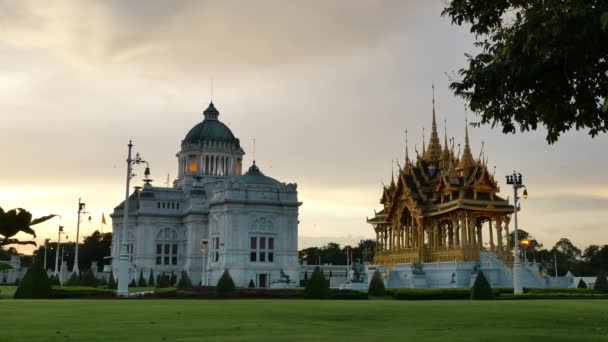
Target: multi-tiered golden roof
{"points": [[439, 207]]}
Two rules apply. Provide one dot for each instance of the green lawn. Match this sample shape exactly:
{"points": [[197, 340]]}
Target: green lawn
{"points": [[289, 320]]}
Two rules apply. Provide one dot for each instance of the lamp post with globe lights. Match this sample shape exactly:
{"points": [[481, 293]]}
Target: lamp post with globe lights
{"points": [[516, 181], [123, 263]]}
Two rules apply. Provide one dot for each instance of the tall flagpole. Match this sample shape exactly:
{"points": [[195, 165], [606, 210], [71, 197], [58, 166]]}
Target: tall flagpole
{"points": [[80, 210]]}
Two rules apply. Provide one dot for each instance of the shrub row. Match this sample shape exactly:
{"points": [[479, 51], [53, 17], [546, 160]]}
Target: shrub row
{"points": [[430, 294], [73, 292], [556, 295]]}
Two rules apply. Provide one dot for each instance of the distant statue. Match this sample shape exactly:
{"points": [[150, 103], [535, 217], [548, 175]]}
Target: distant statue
{"points": [[284, 278], [417, 268], [359, 274]]}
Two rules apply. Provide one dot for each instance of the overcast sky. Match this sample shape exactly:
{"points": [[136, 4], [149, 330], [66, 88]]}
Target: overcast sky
{"points": [[326, 88]]}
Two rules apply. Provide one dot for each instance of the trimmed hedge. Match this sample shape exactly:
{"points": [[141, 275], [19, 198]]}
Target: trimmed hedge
{"points": [[141, 282], [431, 294], [601, 285], [184, 281], [89, 279], [558, 295], [376, 286], [35, 284], [225, 284], [74, 280], [317, 287], [151, 278], [81, 292], [162, 282], [481, 289], [348, 295]]}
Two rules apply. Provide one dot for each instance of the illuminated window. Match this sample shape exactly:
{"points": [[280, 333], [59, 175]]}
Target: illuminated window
{"points": [[192, 165]]}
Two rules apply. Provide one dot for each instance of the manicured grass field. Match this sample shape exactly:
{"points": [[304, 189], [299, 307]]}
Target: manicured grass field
{"points": [[296, 320]]}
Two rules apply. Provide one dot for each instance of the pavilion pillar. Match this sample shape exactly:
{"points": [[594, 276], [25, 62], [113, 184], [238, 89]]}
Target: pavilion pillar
{"points": [[507, 234], [467, 228], [491, 234], [456, 231], [450, 234], [499, 233], [478, 226]]}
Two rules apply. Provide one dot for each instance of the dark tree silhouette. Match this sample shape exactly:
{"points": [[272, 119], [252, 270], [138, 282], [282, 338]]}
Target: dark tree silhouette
{"points": [[15, 221], [541, 63]]}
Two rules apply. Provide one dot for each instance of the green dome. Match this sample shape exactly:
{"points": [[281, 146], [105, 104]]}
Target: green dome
{"points": [[255, 176], [211, 129]]}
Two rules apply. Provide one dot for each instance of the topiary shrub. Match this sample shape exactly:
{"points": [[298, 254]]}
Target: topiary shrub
{"points": [[600, 283], [251, 284], [141, 282], [581, 284], [102, 282], [481, 288], [54, 280], [151, 278], [225, 285], [112, 282], [376, 286], [17, 281], [88, 279], [74, 280], [317, 287], [162, 282], [133, 283], [184, 281], [173, 279], [35, 283]]}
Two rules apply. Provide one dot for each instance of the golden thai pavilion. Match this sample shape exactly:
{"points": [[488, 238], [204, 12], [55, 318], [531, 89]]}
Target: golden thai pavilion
{"points": [[442, 207]]}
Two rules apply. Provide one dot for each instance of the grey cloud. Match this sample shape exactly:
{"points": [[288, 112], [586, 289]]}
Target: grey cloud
{"points": [[182, 35]]}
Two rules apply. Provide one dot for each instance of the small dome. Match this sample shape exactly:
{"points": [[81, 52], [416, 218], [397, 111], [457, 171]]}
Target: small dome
{"points": [[211, 129], [255, 176]]}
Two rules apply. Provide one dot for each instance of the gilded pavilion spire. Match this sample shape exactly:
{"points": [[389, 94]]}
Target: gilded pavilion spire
{"points": [[467, 161], [407, 157], [445, 156], [433, 153], [423, 143], [392, 175]]}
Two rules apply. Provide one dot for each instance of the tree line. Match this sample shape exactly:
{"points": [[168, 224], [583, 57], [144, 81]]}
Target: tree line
{"points": [[581, 262]]}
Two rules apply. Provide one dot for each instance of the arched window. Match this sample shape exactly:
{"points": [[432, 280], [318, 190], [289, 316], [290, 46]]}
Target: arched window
{"points": [[130, 244], [166, 247]]}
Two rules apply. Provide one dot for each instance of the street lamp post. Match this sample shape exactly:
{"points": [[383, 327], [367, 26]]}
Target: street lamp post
{"points": [[81, 210], [204, 251], [46, 247], [516, 181], [123, 263], [60, 230], [348, 261]]}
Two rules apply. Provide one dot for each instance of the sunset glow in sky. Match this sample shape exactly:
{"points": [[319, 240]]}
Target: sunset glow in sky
{"points": [[327, 89]]}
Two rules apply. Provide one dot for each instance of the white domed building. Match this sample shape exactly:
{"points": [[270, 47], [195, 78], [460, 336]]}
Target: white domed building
{"points": [[250, 220]]}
